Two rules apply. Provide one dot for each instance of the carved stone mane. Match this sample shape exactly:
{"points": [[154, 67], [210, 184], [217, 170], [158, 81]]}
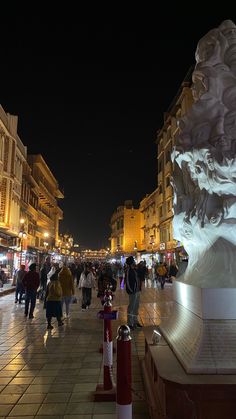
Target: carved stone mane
{"points": [[205, 165]]}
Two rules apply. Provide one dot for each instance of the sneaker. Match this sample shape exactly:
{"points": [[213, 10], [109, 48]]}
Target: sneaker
{"points": [[31, 316], [50, 327], [87, 307], [83, 309], [26, 314], [16, 301]]}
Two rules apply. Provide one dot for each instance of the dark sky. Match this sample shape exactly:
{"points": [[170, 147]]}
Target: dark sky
{"points": [[90, 98]]}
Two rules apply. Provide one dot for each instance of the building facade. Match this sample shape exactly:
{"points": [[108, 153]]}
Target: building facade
{"points": [[150, 236], [12, 158], [39, 209], [167, 246], [126, 230]]}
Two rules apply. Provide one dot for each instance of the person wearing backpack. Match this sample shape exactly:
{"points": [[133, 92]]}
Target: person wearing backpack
{"points": [[162, 272], [53, 301]]}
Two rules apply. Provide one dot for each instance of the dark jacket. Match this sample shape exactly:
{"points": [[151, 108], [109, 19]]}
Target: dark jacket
{"points": [[132, 281], [173, 270], [31, 281]]}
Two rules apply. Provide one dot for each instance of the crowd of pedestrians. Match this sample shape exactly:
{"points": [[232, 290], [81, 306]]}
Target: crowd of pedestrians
{"points": [[55, 285]]}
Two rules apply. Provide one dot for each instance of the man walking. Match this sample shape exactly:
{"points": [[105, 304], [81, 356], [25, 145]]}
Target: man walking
{"points": [[19, 284], [133, 290], [31, 283]]}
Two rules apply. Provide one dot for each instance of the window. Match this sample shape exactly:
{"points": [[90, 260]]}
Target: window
{"points": [[160, 211], [160, 189], [160, 167]]}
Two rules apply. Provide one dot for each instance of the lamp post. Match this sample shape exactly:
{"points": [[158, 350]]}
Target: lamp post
{"points": [[22, 236]]}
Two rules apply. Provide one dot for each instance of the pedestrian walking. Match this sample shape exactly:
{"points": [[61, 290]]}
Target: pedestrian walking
{"points": [[133, 291], [53, 301], [68, 290], [20, 274], [31, 284], [87, 282]]}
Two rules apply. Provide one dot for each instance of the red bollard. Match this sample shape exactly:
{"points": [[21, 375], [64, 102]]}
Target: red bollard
{"points": [[124, 380], [106, 392], [107, 346]]}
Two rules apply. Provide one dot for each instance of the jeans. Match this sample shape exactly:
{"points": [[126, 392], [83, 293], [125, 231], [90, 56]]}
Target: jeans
{"points": [[67, 301], [133, 307], [87, 295], [30, 297], [19, 290]]}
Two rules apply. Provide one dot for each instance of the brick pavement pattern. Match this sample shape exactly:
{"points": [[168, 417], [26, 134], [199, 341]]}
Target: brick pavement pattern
{"points": [[53, 374]]}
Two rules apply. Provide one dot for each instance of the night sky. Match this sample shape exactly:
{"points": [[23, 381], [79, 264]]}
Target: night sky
{"points": [[90, 98]]}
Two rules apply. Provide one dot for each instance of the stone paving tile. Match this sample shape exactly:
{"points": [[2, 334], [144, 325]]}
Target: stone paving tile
{"points": [[9, 398], [24, 409], [21, 417], [81, 397], [5, 409], [56, 373], [32, 398], [80, 408], [78, 417], [57, 397], [52, 409], [103, 407]]}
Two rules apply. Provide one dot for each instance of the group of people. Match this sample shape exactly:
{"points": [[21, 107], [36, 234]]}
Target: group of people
{"points": [[55, 285], [57, 288]]}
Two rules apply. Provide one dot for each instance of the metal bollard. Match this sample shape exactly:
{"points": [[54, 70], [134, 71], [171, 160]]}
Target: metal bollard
{"points": [[124, 380], [107, 345]]}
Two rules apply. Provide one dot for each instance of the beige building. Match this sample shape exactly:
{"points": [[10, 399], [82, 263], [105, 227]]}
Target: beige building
{"points": [[126, 230], [12, 157], [165, 143], [47, 192], [149, 223], [39, 208]]}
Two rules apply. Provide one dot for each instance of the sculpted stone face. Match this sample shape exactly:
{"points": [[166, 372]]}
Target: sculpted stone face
{"points": [[205, 153]]}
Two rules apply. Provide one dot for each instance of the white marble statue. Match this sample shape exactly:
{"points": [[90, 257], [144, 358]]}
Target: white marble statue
{"points": [[204, 178]]}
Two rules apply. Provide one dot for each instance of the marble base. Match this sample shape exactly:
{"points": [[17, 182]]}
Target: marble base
{"points": [[201, 330], [172, 393]]}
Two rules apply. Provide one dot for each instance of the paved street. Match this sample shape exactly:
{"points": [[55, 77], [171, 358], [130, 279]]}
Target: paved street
{"points": [[53, 374]]}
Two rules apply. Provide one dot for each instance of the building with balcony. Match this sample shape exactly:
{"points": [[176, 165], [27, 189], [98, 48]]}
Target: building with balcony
{"points": [[183, 101], [150, 219], [126, 230], [39, 207], [12, 158]]}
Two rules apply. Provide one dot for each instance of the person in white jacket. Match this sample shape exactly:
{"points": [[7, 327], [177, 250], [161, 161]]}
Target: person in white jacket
{"points": [[87, 282]]}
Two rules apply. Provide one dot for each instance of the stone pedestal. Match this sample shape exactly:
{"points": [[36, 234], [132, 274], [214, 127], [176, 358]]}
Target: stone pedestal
{"points": [[201, 330], [172, 393]]}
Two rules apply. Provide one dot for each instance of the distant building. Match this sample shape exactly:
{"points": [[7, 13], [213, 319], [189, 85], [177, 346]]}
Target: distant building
{"points": [[150, 219], [126, 230]]}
